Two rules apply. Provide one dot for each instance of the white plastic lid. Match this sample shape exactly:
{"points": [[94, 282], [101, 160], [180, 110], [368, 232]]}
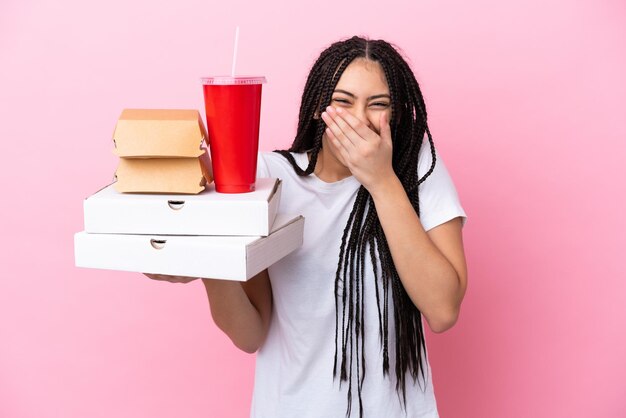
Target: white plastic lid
{"points": [[228, 80]]}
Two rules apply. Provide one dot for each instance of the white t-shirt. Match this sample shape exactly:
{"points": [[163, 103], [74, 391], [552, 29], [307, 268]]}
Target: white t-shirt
{"points": [[294, 367]]}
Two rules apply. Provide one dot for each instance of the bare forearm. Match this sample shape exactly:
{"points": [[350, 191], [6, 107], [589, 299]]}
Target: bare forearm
{"points": [[234, 313], [428, 277]]}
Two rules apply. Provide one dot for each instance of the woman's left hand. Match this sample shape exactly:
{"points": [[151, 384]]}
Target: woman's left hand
{"points": [[367, 155]]}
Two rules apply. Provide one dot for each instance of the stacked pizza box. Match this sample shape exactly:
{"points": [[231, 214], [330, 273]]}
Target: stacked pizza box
{"points": [[162, 215]]}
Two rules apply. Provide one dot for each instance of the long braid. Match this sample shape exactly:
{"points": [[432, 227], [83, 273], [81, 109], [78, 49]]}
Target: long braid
{"points": [[408, 327], [363, 229], [409, 330]]}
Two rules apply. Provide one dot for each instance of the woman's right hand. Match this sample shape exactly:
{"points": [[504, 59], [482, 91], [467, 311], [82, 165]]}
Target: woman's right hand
{"points": [[171, 279]]}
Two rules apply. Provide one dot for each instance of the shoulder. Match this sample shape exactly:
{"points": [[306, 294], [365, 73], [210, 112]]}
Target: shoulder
{"points": [[273, 164], [439, 199]]}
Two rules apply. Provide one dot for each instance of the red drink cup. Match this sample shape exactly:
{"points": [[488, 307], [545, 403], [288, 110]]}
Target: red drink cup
{"points": [[233, 111]]}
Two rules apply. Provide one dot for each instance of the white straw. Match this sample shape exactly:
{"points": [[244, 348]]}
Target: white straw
{"points": [[232, 72]]}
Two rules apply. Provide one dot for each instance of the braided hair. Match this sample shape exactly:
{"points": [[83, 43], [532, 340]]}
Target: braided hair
{"points": [[408, 126]]}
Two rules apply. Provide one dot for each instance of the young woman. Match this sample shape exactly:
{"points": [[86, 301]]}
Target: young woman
{"points": [[338, 323]]}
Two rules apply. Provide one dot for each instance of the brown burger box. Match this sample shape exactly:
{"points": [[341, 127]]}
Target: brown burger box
{"points": [[161, 151], [159, 133], [163, 175]]}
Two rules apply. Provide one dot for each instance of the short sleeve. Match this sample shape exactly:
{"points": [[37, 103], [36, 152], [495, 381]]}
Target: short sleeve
{"points": [[262, 170], [439, 200]]}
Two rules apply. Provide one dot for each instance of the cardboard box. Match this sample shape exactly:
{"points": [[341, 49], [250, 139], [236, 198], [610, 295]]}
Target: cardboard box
{"points": [[163, 175], [231, 258], [159, 133], [207, 213]]}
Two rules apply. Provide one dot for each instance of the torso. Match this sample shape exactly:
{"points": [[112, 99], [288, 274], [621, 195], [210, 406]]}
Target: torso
{"points": [[294, 371]]}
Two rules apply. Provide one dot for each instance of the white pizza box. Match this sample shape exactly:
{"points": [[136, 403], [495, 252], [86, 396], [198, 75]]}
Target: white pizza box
{"points": [[217, 257], [206, 213]]}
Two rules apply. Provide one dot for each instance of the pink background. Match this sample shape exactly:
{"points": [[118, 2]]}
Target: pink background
{"points": [[526, 104]]}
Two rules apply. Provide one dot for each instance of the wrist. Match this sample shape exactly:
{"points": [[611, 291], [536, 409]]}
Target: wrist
{"points": [[387, 187], [218, 284]]}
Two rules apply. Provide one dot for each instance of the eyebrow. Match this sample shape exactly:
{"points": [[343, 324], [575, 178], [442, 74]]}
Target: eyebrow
{"points": [[376, 96]]}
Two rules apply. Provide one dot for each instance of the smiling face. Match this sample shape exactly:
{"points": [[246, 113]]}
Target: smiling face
{"points": [[362, 90]]}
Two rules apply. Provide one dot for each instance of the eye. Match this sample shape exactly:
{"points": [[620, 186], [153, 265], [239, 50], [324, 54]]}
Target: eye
{"points": [[380, 104], [340, 100]]}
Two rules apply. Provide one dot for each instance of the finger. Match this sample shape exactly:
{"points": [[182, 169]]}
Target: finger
{"points": [[152, 276], [169, 278], [385, 127], [341, 134], [160, 277], [336, 130], [339, 145], [355, 124]]}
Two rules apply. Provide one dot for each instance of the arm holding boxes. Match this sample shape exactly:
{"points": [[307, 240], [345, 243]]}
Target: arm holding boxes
{"points": [[119, 236], [163, 217], [242, 310]]}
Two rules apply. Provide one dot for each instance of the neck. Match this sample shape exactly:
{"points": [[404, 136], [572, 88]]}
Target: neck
{"points": [[328, 168]]}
